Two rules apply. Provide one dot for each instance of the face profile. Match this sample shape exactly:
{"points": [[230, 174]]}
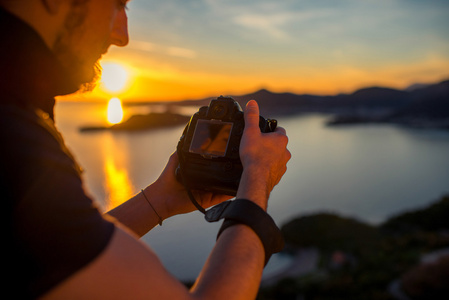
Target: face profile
{"points": [[211, 138], [89, 29]]}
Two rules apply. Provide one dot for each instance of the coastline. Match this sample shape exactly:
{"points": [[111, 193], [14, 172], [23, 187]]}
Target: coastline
{"points": [[303, 262]]}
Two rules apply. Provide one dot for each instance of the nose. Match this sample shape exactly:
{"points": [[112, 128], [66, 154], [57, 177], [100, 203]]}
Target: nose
{"points": [[119, 34]]}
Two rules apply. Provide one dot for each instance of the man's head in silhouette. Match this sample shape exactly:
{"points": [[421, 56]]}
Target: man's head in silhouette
{"points": [[78, 32]]}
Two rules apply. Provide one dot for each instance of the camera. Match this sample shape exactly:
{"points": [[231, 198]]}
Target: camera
{"points": [[208, 149]]}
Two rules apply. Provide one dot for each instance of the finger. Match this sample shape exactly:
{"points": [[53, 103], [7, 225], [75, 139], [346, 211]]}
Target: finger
{"points": [[281, 130], [174, 159], [252, 115], [172, 163], [208, 199], [288, 155]]}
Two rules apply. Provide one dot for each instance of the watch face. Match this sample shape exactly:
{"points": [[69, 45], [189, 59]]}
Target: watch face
{"points": [[211, 138]]}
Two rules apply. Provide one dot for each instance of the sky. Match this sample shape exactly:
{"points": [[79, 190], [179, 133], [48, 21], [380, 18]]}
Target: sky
{"points": [[192, 49]]}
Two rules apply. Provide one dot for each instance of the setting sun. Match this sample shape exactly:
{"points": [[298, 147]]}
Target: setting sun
{"points": [[114, 77], [115, 111]]}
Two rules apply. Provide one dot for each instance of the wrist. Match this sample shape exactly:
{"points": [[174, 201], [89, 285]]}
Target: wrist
{"points": [[254, 186], [159, 218], [151, 194], [242, 211]]}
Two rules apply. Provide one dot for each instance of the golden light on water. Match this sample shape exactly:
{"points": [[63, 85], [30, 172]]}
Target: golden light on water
{"points": [[115, 111], [118, 184]]}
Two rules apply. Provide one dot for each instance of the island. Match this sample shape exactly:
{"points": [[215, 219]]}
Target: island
{"points": [[144, 122]]}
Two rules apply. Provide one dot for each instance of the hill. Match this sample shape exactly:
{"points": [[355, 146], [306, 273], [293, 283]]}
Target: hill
{"points": [[419, 106], [361, 261]]}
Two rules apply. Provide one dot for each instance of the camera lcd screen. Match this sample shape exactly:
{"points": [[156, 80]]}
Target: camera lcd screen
{"points": [[211, 138]]}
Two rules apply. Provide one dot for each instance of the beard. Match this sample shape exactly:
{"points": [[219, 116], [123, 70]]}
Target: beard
{"points": [[84, 71]]}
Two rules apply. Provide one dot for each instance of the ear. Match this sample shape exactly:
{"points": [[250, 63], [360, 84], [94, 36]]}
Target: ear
{"points": [[52, 6]]}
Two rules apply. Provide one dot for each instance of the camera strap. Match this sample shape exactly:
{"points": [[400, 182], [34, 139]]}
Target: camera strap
{"points": [[182, 175], [192, 198]]}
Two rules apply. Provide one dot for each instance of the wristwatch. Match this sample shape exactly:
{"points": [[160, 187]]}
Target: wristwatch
{"points": [[243, 211]]}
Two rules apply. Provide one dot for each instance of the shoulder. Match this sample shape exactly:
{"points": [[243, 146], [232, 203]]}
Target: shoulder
{"points": [[54, 228], [31, 137], [32, 148]]}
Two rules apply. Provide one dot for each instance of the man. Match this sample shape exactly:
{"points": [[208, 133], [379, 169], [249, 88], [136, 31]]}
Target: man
{"points": [[60, 246]]}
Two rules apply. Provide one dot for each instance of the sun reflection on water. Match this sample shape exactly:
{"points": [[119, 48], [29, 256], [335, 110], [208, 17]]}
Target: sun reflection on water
{"points": [[118, 184], [115, 111]]}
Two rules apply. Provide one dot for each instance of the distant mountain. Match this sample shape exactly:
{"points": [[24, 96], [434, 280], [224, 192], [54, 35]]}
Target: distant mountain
{"points": [[378, 98], [428, 102], [380, 104], [422, 106], [430, 218], [416, 86], [275, 104]]}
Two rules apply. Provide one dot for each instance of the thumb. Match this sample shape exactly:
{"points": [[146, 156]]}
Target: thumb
{"points": [[252, 115], [174, 159], [172, 163]]}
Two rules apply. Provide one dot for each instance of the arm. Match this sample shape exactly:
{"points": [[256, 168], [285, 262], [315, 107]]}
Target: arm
{"points": [[136, 214], [128, 269], [168, 198]]}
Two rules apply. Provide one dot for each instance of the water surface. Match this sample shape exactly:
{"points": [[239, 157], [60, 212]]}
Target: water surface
{"points": [[368, 172]]}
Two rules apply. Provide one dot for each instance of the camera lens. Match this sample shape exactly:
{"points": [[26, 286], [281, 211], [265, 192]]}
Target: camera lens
{"points": [[219, 111]]}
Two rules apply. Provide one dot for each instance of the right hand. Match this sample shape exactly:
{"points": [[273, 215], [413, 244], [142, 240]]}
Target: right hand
{"points": [[264, 158]]}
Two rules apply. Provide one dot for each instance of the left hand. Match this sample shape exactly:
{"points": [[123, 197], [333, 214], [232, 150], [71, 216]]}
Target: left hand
{"points": [[170, 197]]}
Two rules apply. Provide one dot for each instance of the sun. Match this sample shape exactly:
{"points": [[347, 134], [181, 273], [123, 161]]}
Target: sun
{"points": [[114, 77]]}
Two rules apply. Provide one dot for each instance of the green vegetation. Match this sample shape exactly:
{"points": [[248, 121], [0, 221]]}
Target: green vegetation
{"points": [[433, 218], [370, 257], [329, 232]]}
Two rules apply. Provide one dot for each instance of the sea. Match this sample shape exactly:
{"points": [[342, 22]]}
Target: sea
{"points": [[368, 172]]}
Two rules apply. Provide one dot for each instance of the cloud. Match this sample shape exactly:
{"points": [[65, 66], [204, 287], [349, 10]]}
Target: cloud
{"points": [[142, 46], [181, 52], [166, 50], [270, 24], [278, 20], [283, 23]]}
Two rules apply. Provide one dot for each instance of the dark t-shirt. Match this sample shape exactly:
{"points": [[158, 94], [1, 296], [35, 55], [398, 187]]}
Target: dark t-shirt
{"points": [[53, 228]]}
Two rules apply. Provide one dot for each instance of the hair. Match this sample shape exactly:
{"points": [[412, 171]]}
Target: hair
{"points": [[84, 76]]}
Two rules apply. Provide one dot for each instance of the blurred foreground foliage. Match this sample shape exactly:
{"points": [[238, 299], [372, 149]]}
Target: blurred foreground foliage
{"points": [[373, 256]]}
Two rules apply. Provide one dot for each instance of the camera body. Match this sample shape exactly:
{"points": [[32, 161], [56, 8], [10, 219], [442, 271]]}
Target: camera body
{"points": [[208, 149]]}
